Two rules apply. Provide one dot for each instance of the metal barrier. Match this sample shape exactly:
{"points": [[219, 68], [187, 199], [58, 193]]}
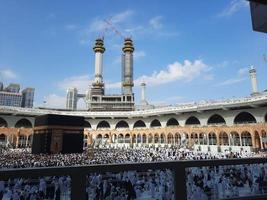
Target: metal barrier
{"points": [[78, 174]]}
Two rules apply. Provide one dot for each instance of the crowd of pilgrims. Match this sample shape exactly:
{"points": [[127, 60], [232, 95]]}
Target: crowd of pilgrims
{"points": [[202, 183], [50, 188], [24, 159], [224, 182], [151, 184]]}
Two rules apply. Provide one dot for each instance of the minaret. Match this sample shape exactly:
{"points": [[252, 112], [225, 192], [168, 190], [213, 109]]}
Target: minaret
{"points": [[253, 78], [98, 84], [127, 67], [143, 95]]}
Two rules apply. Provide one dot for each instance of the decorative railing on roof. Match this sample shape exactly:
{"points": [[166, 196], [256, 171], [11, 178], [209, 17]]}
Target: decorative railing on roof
{"points": [[185, 107]]}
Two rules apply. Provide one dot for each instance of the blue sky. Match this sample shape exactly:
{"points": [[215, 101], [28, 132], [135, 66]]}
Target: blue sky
{"points": [[184, 50]]}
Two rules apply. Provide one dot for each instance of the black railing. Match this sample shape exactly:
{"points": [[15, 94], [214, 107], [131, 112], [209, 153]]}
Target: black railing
{"points": [[78, 174]]}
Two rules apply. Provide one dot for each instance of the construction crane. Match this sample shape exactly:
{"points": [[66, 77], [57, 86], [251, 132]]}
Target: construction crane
{"points": [[110, 25]]}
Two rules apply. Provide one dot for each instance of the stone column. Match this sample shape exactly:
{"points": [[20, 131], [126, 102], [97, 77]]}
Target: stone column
{"points": [[27, 141], [261, 145], [17, 141]]}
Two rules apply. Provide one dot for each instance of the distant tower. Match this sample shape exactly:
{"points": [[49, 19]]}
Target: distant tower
{"points": [[98, 84], [71, 103], [143, 94], [253, 78], [127, 67], [27, 97]]}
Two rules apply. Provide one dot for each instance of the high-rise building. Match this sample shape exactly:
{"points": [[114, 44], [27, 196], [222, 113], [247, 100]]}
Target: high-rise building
{"points": [[13, 88], [71, 99], [10, 99], [27, 97], [1, 86], [11, 96]]}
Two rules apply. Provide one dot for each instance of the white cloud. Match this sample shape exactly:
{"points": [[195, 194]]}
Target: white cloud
{"points": [[232, 81], [81, 82], [99, 25], [208, 77], [139, 54], [233, 7], [241, 76], [55, 101], [243, 71], [121, 17], [186, 71], [6, 74], [155, 22], [177, 71]]}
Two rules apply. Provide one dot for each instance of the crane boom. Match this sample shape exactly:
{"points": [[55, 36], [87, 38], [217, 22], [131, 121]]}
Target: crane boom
{"points": [[112, 27]]}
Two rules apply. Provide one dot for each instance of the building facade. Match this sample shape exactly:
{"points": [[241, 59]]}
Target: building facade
{"points": [[11, 96], [228, 125]]}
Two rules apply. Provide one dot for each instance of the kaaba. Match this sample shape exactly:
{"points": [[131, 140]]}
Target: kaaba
{"points": [[58, 134]]}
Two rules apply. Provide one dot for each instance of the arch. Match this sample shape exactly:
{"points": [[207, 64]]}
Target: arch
{"points": [[144, 138], [106, 136], [23, 123], [172, 122], [134, 138], [3, 122], [30, 138], [223, 139], [120, 138], [87, 124], [192, 121], [114, 138], [139, 124], [203, 139], [3, 139], [170, 139], [162, 138], [150, 138], [264, 134], [155, 123], [127, 138], [194, 138], [257, 140], [184, 139], [139, 138], [216, 119], [244, 118], [246, 138], [103, 125], [212, 139], [22, 141], [177, 138], [122, 124], [156, 138], [235, 139], [99, 136]]}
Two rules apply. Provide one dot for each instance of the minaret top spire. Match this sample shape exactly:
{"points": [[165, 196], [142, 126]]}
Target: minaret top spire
{"points": [[99, 45], [128, 45]]}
